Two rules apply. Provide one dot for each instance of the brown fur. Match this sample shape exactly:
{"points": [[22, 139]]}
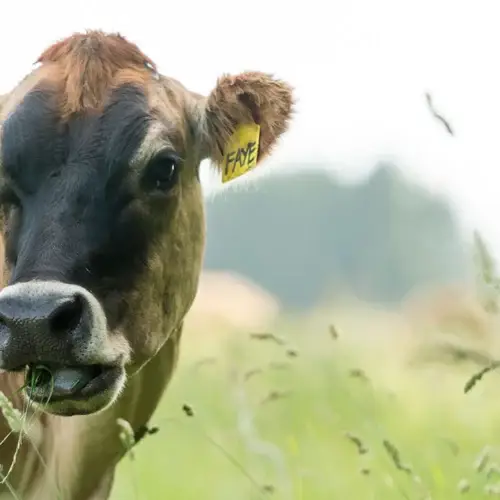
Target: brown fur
{"points": [[250, 96], [87, 79], [80, 453]]}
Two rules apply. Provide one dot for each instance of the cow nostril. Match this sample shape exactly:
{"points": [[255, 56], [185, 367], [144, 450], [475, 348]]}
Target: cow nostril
{"points": [[67, 316]]}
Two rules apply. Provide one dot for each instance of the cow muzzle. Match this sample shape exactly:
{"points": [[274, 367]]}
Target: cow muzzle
{"points": [[57, 334]]}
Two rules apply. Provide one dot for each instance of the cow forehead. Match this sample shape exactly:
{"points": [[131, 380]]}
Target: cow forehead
{"points": [[85, 66], [93, 96], [125, 132]]}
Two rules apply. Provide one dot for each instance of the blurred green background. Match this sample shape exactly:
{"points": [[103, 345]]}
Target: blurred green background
{"points": [[270, 425]]}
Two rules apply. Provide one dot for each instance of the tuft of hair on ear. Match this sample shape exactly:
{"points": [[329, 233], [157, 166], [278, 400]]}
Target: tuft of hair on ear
{"points": [[245, 98]]}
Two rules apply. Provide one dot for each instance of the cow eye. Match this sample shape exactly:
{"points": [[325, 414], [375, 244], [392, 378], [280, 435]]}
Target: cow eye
{"points": [[162, 172]]}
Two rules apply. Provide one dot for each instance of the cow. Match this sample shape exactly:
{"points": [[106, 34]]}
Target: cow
{"points": [[103, 232]]}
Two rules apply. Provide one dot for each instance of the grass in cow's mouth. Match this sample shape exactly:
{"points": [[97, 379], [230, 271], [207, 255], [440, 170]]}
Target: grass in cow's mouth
{"points": [[38, 375]]}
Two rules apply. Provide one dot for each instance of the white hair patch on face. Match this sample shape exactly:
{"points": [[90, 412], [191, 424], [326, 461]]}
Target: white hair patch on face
{"points": [[152, 143], [156, 75]]}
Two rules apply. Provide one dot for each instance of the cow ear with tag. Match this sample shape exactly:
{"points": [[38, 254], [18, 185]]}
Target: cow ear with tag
{"points": [[243, 118]]}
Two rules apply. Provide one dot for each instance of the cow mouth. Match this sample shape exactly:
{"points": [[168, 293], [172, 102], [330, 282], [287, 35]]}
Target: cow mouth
{"points": [[47, 383]]}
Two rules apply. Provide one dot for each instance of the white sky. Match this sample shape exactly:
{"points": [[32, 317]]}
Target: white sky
{"points": [[360, 68]]}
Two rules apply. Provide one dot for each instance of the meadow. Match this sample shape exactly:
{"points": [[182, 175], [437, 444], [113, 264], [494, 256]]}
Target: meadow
{"points": [[337, 404]]}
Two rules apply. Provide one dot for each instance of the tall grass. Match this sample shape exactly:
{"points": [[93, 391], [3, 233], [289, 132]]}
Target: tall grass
{"points": [[320, 430]]}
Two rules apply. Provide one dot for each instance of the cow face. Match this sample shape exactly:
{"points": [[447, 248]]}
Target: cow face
{"points": [[103, 219]]}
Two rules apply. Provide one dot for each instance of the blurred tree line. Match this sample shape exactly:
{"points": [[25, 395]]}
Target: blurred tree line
{"points": [[307, 236]]}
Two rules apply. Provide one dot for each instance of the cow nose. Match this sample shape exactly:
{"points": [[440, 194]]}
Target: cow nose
{"points": [[53, 314], [46, 321]]}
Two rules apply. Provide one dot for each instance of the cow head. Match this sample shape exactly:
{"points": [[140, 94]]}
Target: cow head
{"points": [[102, 210]]}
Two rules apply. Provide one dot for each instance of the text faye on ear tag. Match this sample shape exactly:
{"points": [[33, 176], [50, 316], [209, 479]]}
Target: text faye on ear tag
{"points": [[240, 154]]}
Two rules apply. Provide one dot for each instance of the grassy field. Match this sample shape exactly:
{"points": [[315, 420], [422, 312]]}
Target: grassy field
{"points": [[319, 417]]}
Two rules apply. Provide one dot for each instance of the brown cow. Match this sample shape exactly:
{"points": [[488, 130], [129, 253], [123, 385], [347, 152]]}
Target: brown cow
{"points": [[103, 225]]}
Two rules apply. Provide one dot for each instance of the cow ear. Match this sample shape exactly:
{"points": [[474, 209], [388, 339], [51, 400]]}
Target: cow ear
{"points": [[243, 118]]}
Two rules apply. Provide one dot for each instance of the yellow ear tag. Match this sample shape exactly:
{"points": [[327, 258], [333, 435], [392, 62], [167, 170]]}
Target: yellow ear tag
{"points": [[240, 154]]}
